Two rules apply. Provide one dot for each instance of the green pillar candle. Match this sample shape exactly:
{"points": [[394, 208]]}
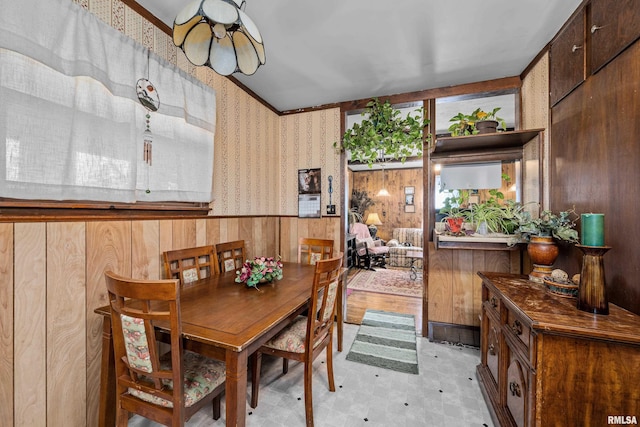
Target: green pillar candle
{"points": [[592, 229]]}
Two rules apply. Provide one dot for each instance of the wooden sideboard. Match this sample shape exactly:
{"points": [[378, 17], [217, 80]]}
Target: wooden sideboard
{"points": [[546, 363]]}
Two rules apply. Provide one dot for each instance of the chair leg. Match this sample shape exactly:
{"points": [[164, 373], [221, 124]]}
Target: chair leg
{"points": [[285, 365], [122, 416], [329, 350], [216, 406], [256, 363], [308, 400]]}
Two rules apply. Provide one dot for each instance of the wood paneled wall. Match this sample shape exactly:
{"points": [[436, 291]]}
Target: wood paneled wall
{"points": [[594, 167], [455, 290], [391, 210], [52, 279]]}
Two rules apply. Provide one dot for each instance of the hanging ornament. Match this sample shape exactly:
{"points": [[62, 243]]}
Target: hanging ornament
{"points": [[149, 98]]}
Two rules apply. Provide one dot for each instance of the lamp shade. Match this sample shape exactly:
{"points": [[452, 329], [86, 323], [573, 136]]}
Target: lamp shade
{"points": [[218, 33], [373, 219]]}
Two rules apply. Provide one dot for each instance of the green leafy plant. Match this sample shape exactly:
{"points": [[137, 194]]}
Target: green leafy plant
{"points": [[479, 115], [455, 205], [560, 226], [465, 124], [359, 203], [384, 132]]}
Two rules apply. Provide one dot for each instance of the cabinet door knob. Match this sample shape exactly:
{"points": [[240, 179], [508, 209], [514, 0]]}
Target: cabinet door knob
{"points": [[594, 28], [575, 47], [516, 327], [514, 388]]}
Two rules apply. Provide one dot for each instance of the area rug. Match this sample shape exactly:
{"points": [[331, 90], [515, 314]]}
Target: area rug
{"points": [[386, 340], [386, 281]]}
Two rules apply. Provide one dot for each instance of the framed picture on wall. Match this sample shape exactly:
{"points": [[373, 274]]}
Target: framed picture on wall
{"points": [[409, 190], [410, 208], [408, 199], [309, 181]]}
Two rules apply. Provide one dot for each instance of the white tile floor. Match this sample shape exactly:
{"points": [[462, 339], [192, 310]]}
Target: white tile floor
{"points": [[446, 393]]}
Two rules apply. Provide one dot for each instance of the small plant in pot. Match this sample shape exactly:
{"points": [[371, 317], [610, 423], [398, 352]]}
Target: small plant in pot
{"points": [[455, 212], [541, 234], [487, 122], [479, 121]]}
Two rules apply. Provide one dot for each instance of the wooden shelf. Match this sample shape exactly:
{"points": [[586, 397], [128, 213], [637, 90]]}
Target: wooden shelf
{"points": [[474, 243], [476, 144]]}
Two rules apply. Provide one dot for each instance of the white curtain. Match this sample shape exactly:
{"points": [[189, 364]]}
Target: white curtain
{"points": [[70, 120]]}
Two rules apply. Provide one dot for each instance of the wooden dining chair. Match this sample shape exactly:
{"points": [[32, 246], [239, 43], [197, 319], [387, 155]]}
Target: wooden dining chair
{"points": [[231, 255], [166, 388], [307, 336], [311, 250], [191, 264]]}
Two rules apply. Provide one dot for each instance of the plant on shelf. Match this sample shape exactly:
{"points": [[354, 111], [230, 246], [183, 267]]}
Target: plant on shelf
{"points": [[466, 124], [384, 132], [495, 215], [454, 210], [482, 116], [560, 226]]}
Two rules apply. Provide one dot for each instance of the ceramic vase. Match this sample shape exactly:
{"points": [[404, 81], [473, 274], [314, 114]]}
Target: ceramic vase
{"points": [[543, 252]]}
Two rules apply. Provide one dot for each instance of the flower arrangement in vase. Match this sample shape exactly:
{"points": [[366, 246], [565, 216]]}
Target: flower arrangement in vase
{"points": [[260, 270]]}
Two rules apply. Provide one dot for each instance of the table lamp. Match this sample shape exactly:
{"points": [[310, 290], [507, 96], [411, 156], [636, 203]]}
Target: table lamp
{"points": [[372, 220]]}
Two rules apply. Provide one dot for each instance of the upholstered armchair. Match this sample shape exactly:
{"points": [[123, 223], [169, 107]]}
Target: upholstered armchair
{"points": [[371, 253]]}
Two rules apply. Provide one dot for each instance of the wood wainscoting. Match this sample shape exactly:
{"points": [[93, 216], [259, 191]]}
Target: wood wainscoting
{"points": [[455, 290]]}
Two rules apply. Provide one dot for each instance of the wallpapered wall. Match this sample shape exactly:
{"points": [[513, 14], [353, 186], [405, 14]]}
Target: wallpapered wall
{"points": [[255, 166], [535, 114]]}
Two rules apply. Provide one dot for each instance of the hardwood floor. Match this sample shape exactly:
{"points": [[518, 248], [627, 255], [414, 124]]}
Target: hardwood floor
{"points": [[359, 301]]}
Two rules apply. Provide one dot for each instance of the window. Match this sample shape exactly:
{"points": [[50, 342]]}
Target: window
{"points": [[71, 125]]}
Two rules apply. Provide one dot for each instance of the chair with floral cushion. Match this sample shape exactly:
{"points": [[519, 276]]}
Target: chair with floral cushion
{"points": [[311, 250], [191, 264], [231, 255], [371, 253], [166, 388], [307, 336]]}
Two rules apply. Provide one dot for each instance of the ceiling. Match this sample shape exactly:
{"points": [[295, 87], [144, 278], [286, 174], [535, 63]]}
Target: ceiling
{"points": [[330, 51]]}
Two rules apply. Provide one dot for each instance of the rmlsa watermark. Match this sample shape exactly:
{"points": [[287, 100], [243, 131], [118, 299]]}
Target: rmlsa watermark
{"points": [[622, 420]]}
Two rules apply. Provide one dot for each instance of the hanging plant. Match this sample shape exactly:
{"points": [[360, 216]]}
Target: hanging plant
{"points": [[384, 132]]}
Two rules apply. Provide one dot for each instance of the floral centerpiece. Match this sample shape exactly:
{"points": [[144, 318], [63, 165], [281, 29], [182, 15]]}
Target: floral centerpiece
{"points": [[261, 269]]}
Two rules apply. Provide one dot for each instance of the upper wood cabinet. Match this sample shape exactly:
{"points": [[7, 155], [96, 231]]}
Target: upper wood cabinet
{"points": [[589, 41], [613, 26], [567, 59]]}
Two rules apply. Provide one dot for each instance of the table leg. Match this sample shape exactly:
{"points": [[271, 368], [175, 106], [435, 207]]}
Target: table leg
{"points": [[236, 387], [107, 416]]}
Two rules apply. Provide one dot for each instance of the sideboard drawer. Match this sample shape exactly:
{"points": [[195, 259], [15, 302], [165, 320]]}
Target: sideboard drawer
{"points": [[519, 329], [493, 301]]}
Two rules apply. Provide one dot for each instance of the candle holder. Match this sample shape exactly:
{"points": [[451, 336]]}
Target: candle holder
{"points": [[592, 292]]}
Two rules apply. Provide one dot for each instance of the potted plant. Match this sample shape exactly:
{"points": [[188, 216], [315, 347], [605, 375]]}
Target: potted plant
{"points": [[560, 226], [454, 211], [384, 132], [487, 122], [541, 234], [479, 121]]}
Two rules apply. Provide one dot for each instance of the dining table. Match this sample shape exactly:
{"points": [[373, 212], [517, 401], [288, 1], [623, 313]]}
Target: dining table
{"points": [[227, 321]]}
